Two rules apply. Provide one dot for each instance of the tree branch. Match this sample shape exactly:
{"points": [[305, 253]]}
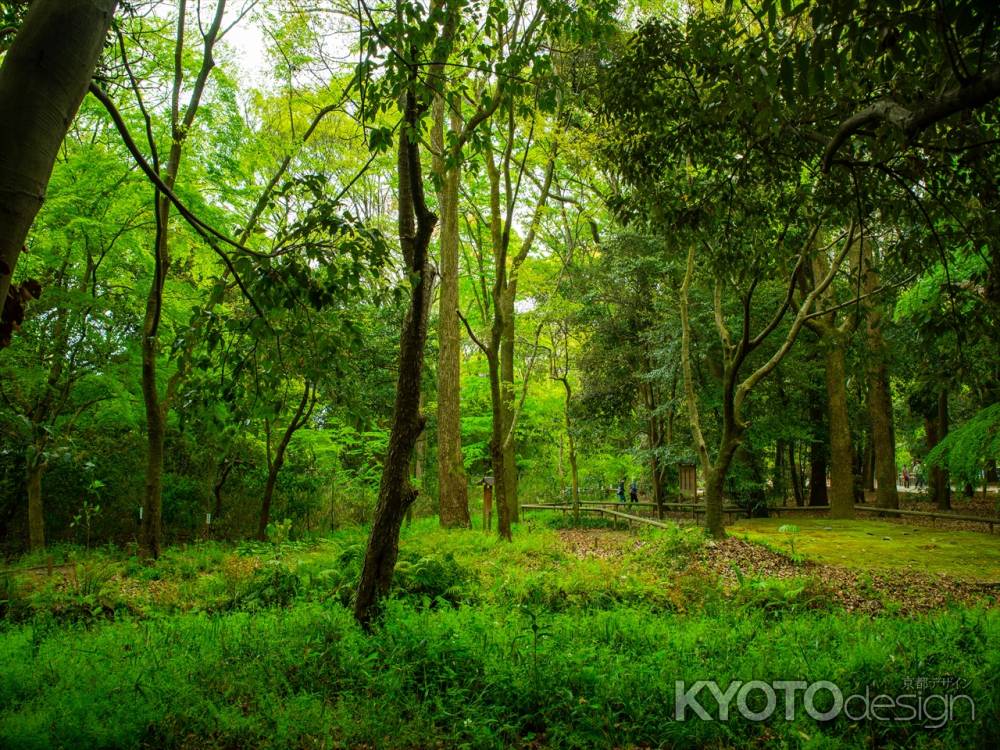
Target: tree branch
{"points": [[913, 120]]}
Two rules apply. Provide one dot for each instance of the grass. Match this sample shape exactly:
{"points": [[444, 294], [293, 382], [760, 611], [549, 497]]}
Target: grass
{"points": [[880, 545], [483, 644]]}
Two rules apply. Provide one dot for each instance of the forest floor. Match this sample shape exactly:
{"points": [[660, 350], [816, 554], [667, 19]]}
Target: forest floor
{"points": [[865, 566], [865, 544], [567, 637]]}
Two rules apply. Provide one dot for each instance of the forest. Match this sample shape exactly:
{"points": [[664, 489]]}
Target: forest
{"points": [[499, 373]]}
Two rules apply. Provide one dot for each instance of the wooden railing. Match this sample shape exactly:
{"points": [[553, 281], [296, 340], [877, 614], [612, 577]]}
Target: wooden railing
{"points": [[732, 510]]}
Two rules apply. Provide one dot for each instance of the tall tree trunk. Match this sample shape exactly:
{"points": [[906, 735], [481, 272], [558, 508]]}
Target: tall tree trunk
{"points": [[507, 392], [778, 475], [793, 468], [396, 493], [713, 503], [655, 436], [841, 496], [883, 436], [574, 476], [879, 395], [496, 441], [656, 475], [419, 457], [817, 473], [157, 408], [453, 507], [937, 429], [36, 515], [868, 464], [151, 531], [715, 482], [817, 454], [44, 77]]}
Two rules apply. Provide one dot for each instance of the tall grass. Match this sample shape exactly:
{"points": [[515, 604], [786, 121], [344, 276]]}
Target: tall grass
{"points": [[483, 645]]}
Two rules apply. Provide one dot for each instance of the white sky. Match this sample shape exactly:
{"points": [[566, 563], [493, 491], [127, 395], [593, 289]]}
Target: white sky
{"points": [[247, 42]]}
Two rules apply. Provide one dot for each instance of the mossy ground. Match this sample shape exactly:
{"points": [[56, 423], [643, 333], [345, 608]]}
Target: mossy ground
{"points": [[880, 545]]}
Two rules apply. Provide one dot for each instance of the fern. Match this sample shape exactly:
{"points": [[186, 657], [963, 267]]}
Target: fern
{"points": [[965, 449]]}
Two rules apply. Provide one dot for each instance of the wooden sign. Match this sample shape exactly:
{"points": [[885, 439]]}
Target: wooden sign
{"points": [[689, 480]]}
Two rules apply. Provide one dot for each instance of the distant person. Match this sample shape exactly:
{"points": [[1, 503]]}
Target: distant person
{"points": [[621, 491], [918, 473], [633, 492], [906, 478]]}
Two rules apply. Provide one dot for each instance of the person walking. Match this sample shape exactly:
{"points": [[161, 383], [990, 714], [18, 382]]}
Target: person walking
{"points": [[621, 490], [906, 478], [633, 492]]}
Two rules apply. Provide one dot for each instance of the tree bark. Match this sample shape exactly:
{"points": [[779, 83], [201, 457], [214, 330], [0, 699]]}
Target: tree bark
{"points": [[274, 465], [879, 395], [155, 406], [937, 429], [817, 458], [793, 469], [496, 441], [36, 516], [396, 493], [868, 464], [778, 475], [656, 475], [883, 436], [507, 394], [453, 490], [817, 474], [841, 495], [43, 79], [220, 482], [735, 352]]}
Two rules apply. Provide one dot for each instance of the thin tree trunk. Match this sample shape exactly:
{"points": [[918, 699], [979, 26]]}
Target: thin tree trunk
{"points": [[841, 496], [574, 476], [151, 532], [778, 475], [43, 79], [220, 482], [817, 453], [507, 393], [157, 408], [793, 469], [937, 429], [396, 493], [419, 457], [36, 516], [868, 465], [496, 442], [656, 474], [453, 490], [301, 416]]}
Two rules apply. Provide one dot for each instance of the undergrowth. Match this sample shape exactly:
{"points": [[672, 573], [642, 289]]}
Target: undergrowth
{"points": [[483, 644]]}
